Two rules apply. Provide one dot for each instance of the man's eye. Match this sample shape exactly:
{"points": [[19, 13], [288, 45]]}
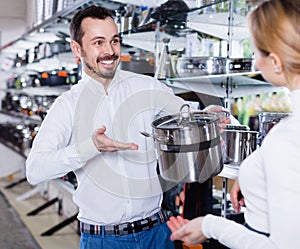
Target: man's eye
{"points": [[98, 43], [115, 41]]}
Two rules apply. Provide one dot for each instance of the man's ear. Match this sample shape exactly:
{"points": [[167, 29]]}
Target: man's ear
{"points": [[276, 62], [76, 48]]}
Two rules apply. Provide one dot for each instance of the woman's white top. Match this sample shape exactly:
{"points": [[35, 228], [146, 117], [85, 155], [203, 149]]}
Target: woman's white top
{"points": [[270, 182]]}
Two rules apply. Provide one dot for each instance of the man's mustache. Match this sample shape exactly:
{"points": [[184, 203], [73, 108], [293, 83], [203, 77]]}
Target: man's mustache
{"points": [[111, 57]]}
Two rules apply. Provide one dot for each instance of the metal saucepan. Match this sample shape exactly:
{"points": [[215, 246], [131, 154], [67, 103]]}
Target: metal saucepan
{"points": [[239, 65], [188, 145], [239, 142], [199, 66], [266, 122]]}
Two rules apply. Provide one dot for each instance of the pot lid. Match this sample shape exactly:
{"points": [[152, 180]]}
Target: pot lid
{"points": [[185, 119]]}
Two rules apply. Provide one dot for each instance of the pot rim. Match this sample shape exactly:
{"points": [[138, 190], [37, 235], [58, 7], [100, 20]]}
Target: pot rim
{"points": [[209, 118]]}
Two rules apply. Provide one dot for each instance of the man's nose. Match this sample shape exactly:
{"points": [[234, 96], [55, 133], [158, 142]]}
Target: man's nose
{"points": [[108, 48]]}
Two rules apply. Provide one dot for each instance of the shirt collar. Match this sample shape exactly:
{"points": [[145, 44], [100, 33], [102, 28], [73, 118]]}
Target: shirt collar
{"points": [[97, 86]]}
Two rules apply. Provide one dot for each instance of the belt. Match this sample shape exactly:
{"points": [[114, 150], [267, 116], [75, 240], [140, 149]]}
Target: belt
{"points": [[125, 228]]}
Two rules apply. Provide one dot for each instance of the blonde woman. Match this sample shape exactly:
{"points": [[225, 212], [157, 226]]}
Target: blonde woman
{"points": [[269, 177]]}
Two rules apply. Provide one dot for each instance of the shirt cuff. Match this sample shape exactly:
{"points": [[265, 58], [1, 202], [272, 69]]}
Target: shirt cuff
{"points": [[213, 226], [86, 150], [206, 227], [219, 228]]}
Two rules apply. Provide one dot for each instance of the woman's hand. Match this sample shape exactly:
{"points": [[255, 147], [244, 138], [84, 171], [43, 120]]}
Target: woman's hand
{"points": [[236, 197], [104, 143], [190, 232]]}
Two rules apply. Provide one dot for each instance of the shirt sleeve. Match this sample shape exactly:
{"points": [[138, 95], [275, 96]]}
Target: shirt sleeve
{"points": [[166, 99], [52, 155], [234, 235]]}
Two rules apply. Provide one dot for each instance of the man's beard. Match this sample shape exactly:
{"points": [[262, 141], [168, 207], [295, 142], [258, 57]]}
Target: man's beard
{"points": [[105, 74]]}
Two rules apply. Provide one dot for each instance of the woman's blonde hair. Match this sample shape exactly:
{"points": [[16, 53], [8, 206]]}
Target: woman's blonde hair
{"points": [[275, 27]]}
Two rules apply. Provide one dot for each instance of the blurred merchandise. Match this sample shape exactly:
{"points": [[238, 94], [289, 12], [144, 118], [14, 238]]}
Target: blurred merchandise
{"points": [[18, 135], [71, 178], [29, 105], [56, 77], [247, 109]]}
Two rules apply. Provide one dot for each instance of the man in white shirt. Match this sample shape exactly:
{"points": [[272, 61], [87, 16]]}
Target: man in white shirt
{"points": [[118, 190], [87, 131]]}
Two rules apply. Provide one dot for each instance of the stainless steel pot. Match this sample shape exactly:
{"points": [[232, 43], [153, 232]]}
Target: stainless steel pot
{"points": [[266, 122], [188, 145], [239, 143], [239, 65], [199, 66]]}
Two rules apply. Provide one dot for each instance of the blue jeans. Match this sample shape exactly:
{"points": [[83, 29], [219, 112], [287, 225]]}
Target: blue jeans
{"points": [[156, 238]]}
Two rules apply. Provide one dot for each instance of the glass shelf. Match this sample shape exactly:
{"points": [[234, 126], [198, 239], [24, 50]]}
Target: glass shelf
{"points": [[232, 85], [217, 25]]}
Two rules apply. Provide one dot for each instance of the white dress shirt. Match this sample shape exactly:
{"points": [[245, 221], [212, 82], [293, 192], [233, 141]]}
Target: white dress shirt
{"points": [[113, 187], [269, 181]]}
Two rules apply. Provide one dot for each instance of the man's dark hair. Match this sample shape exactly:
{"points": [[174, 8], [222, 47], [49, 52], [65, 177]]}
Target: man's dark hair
{"points": [[92, 11]]}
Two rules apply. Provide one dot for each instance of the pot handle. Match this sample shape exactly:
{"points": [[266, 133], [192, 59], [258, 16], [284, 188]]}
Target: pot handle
{"points": [[158, 138], [185, 116], [221, 110]]}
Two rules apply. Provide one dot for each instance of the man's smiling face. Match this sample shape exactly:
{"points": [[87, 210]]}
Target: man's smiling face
{"points": [[101, 49]]}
